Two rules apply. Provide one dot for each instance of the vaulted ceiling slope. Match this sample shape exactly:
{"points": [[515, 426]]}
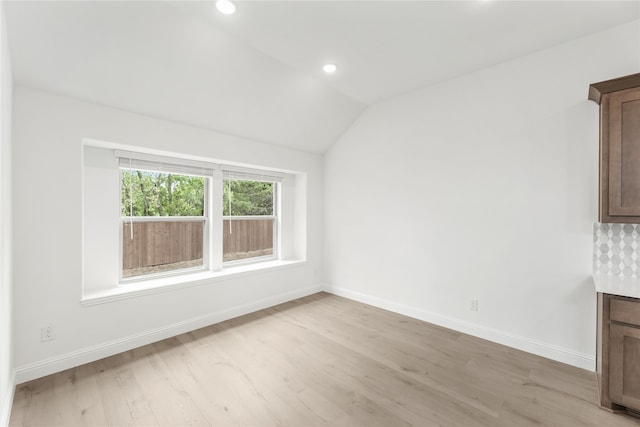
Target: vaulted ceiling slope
{"points": [[151, 58], [258, 73]]}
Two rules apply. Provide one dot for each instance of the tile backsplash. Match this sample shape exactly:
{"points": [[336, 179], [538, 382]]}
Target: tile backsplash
{"points": [[615, 250]]}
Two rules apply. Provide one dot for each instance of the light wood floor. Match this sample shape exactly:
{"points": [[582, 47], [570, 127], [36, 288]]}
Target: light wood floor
{"points": [[320, 360]]}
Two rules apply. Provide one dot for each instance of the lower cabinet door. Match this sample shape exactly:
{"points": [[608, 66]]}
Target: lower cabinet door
{"points": [[624, 366]]}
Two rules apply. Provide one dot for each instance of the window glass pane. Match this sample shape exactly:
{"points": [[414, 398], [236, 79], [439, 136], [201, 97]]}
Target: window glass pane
{"points": [[247, 238], [161, 246], [161, 194], [248, 197], [158, 246]]}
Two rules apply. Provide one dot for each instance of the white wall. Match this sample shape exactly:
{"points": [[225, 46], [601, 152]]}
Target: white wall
{"points": [[6, 344], [483, 187], [48, 131]]}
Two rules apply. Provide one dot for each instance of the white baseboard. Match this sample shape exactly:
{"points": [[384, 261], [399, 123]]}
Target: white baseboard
{"points": [[79, 357], [560, 354], [7, 402]]}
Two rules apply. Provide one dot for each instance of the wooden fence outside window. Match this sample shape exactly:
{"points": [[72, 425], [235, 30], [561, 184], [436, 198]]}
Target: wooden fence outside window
{"points": [[166, 243]]}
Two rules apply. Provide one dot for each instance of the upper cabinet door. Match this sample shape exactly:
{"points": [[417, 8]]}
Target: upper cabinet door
{"points": [[619, 194], [624, 154]]}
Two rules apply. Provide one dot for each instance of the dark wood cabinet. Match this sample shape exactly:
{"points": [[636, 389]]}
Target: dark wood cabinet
{"points": [[624, 365], [619, 101], [619, 352]]}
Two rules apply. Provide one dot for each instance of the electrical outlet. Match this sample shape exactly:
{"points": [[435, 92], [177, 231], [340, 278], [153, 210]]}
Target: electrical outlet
{"points": [[474, 305], [47, 333]]}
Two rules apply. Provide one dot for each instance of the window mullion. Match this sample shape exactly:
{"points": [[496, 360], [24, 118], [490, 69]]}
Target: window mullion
{"points": [[215, 206], [277, 211]]}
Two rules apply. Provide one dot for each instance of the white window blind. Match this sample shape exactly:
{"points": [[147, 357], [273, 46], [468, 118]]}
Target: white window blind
{"points": [[250, 176], [150, 162]]}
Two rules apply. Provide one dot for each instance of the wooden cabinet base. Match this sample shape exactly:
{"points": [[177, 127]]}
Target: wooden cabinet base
{"points": [[618, 352]]}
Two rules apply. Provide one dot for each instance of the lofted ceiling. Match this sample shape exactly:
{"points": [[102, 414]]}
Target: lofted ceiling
{"points": [[257, 73]]}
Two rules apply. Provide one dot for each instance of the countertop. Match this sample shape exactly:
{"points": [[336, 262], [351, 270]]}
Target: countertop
{"points": [[617, 285]]}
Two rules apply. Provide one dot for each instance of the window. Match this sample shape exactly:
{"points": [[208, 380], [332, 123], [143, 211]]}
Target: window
{"points": [[153, 222], [178, 216], [250, 220], [164, 220]]}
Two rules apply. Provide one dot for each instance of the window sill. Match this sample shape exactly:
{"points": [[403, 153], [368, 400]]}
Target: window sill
{"points": [[165, 284]]}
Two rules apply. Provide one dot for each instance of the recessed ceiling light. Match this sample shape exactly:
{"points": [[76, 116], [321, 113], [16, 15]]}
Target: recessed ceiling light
{"points": [[226, 7], [330, 68]]}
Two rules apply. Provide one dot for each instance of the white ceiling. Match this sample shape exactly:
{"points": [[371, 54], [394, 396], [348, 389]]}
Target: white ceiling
{"points": [[385, 48], [258, 73]]}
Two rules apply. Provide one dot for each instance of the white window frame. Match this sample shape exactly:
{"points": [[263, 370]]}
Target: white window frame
{"points": [[138, 161], [215, 175], [256, 175]]}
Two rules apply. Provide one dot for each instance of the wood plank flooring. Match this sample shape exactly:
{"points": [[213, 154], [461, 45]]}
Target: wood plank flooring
{"points": [[320, 360]]}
